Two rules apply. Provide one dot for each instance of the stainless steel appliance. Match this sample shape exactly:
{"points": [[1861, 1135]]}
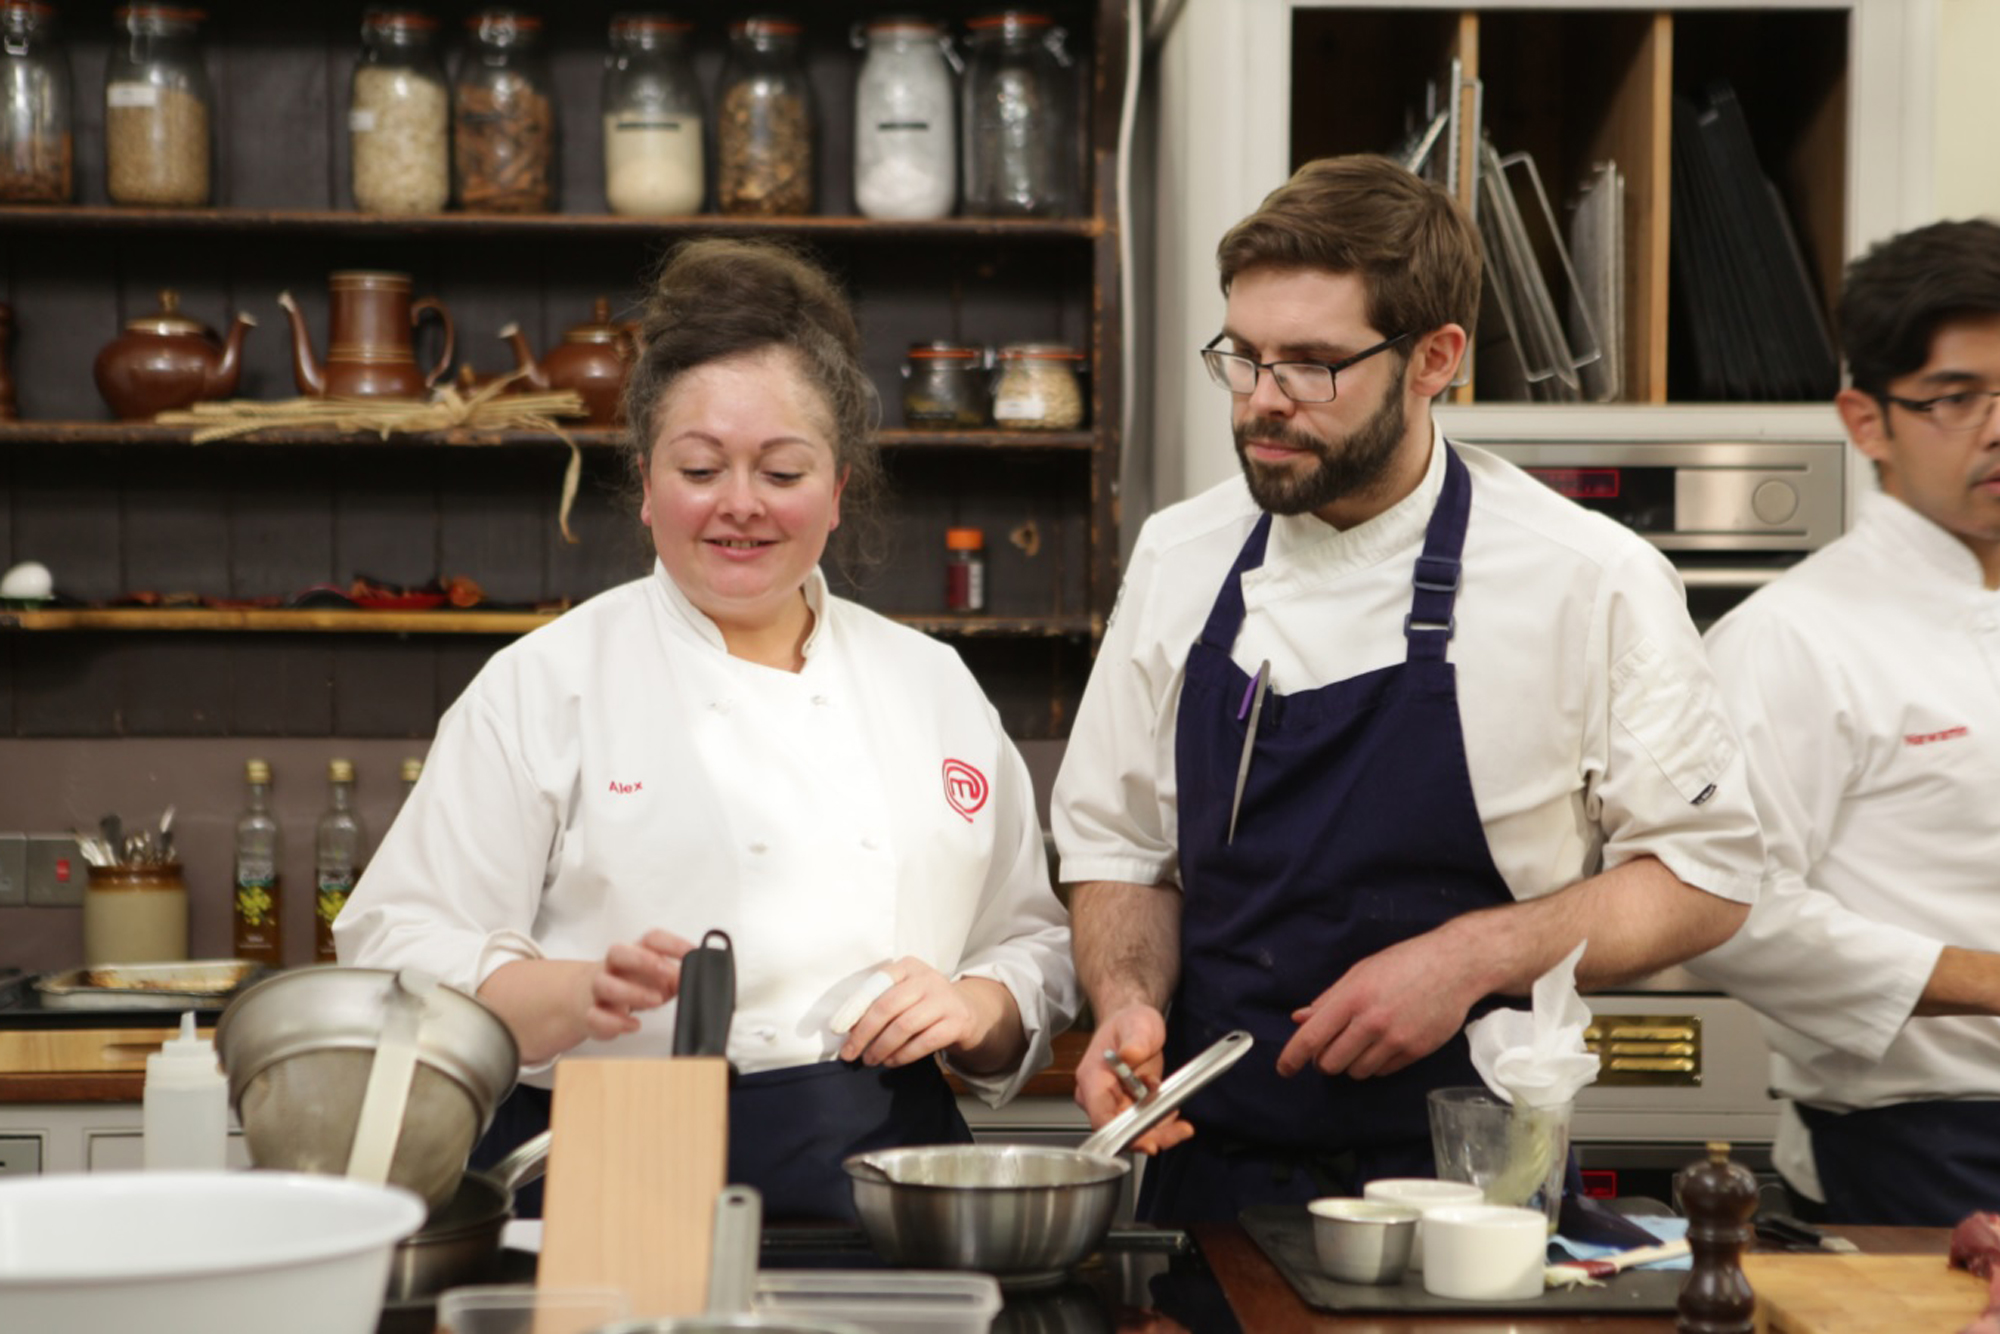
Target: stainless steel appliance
{"points": [[1682, 1063]]}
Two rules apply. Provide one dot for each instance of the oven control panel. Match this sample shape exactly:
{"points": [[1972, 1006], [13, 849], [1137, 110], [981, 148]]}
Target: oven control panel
{"points": [[1713, 496]]}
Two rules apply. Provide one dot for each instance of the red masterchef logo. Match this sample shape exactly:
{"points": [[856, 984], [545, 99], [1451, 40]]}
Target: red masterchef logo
{"points": [[1926, 738], [965, 788]]}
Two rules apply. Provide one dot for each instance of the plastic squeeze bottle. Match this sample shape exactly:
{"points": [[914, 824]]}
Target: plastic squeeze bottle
{"points": [[186, 1104]]}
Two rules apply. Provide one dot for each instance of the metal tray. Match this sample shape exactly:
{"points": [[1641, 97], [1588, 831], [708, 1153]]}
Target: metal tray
{"points": [[200, 984]]}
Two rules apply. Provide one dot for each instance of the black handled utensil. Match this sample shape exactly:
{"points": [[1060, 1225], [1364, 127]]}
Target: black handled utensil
{"points": [[707, 998]]}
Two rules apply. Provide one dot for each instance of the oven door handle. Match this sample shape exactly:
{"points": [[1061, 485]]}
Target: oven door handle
{"points": [[1721, 576]]}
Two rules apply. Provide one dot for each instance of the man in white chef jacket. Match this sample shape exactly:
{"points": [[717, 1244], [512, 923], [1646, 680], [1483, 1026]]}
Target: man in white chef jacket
{"points": [[1866, 682], [1378, 733]]}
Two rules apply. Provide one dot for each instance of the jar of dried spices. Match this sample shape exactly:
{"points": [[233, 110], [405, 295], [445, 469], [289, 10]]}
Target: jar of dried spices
{"points": [[764, 122], [653, 160], [157, 108], [943, 386], [399, 116], [1035, 387], [503, 117], [35, 144], [1020, 96], [905, 145]]}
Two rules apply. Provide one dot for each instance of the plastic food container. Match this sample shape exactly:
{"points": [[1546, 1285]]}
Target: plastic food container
{"points": [[198, 1252], [883, 1301]]}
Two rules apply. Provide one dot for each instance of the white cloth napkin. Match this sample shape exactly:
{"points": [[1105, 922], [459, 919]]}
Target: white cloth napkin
{"points": [[1537, 1058]]}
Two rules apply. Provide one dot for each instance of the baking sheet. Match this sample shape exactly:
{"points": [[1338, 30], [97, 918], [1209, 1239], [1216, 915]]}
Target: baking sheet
{"points": [[200, 984], [1284, 1233]]}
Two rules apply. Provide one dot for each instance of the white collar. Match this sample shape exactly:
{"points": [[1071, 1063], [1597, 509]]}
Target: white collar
{"points": [[1904, 532], [705, 627], [1306, 549]]}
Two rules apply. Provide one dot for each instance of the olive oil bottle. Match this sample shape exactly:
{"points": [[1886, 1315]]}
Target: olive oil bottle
{"points": [[257, 920], [336, 857]]}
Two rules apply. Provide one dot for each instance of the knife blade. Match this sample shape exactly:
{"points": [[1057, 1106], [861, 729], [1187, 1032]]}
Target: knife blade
{"points": [[1796, 1235], [1258, 686]]}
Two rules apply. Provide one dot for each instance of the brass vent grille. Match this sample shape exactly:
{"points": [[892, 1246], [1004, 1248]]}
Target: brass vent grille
{"points": [[1646, 1050]]}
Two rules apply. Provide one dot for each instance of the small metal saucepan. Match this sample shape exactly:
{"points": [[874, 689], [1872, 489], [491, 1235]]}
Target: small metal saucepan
{"points": [[1022, 1213], [460, 1242]]}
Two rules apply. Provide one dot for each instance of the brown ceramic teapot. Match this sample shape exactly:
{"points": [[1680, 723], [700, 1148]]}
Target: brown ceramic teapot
{"points": [[165, 360], [368, 351], [592, 359]]}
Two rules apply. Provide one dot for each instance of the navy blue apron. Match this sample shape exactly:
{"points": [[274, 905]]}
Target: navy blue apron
{"points": [[788, 1130], [1357, 830], [1919, 1164]]}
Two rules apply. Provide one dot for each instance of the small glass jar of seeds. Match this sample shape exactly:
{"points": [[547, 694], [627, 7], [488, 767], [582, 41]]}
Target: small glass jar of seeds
{"points": [[157, 109]]}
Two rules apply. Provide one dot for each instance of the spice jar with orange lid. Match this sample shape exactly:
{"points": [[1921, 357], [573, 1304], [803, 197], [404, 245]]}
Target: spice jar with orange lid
{"points": [[964, 569]]}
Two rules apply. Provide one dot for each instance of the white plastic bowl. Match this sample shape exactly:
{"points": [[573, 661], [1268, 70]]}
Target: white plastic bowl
{"points": [[198, 1252]]}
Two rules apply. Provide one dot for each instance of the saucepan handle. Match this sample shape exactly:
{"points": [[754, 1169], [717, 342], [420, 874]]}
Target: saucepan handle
{"points": [[1114, 1135]]}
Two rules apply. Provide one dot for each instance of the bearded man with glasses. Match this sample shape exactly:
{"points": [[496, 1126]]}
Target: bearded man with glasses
{"points": [[1867, 684], [1378, 735]]}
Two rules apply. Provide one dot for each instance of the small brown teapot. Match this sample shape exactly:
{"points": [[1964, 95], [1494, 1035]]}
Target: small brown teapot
{"points": [[166, 360], [592, 359]]}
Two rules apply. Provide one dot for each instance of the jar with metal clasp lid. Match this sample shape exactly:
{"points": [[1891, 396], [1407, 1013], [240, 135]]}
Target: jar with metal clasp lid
{"points": [[653, 156], [764, 129], [35, 141], [158, 109], [1036, 387], [1019, 101], [399, 116], [943, 386]]}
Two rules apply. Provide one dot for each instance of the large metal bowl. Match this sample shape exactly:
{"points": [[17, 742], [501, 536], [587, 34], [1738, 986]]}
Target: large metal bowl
{"points": [[1022, 1213], [298, 1048]]}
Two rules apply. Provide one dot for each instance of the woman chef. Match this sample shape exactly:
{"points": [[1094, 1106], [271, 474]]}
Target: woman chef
{"points": [[724, 744]]}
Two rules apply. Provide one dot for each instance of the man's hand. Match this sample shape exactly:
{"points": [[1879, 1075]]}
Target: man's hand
{"points": [[1138, 1033], [1391, 1009]]}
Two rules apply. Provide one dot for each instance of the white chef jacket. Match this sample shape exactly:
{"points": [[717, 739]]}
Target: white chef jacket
{"points": [[617, 770], [1592, 730], [1866, 682]]}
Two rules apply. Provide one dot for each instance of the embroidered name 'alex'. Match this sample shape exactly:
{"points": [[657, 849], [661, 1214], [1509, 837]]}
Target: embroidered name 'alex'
{"points": [[626, 789], [1926, 738]]}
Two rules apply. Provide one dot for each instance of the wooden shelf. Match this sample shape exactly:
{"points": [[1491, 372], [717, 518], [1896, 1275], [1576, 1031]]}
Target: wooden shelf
{"points": [[341, 620], [100, 217], [587, 437]]}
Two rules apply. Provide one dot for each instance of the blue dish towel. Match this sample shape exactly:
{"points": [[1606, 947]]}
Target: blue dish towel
{"points": [[1663, 1226]]}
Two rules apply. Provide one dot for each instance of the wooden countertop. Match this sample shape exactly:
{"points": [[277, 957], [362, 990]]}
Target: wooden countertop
{"points": [[1265, 1303]]}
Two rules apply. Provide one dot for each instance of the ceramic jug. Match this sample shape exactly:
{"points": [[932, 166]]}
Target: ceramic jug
{"points": [[165, 360], [369, 352], [591, 359]]}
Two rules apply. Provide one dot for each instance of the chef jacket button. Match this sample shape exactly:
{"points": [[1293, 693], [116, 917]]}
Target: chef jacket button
{"points": [[760, 848], [819, 699], [870, 842], [765, 1034]]}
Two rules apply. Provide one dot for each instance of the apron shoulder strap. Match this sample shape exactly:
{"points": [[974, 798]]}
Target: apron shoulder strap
{"points": [[1430, 624]]}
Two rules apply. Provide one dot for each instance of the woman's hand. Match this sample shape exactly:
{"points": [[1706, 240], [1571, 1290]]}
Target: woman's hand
{"points": [[923, 1012], [643, 975], [551, 1005]]}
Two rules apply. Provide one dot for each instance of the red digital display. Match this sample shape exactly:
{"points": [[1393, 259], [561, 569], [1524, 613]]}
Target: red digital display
{"points": [[1580, 483]]}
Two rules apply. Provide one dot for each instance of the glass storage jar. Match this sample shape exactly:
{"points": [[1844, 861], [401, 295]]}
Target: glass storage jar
{"points": [[653, 161], [157, 108], [763, 122], [135, 914], [1035, 387], [503, 117], [35, 143], [905, 144], [943, 385], [399, 116], [1020, 95]]}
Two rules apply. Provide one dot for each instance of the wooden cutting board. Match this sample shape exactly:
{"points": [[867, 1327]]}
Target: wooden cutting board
{"points": [[638, 1152], [1862, 1294]]}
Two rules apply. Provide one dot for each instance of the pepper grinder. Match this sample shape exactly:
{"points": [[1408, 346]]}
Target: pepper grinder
{"points": [[7, 413], [1718, 1196]]}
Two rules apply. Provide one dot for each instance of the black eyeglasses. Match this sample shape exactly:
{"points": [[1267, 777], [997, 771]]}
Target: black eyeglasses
{"points": [[1300, 381], [1966, 410]]}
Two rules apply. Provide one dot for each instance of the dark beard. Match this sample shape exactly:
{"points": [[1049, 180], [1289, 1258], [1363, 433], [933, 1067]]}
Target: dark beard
{"points": [[1358, 464]]}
